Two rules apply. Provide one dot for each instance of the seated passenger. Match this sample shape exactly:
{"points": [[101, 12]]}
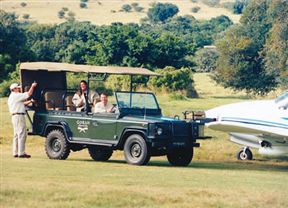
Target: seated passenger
{"points": [[80, 97], [103, 106]]}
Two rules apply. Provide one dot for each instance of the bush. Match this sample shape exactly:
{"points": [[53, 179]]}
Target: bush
{"points": [[26, 16], [65, 9], [206, 59], [23, 4], [195, 9], [61, 14], [174, 80], [83, 5], [177, 96], [135, 4], [126, 8], [211, 3], [138, 9]]}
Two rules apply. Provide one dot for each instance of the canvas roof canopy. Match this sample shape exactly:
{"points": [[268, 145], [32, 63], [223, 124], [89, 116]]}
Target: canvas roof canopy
{"points": [[56, 67]]}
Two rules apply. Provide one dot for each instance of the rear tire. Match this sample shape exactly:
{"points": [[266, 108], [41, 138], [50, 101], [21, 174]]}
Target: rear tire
{"points": [[245, 154], [100, 153], [56, 145], [136, 151], [180, 157]]}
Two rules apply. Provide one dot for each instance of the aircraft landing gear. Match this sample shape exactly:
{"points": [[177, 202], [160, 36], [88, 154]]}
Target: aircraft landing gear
{"points": [[245, 154]]}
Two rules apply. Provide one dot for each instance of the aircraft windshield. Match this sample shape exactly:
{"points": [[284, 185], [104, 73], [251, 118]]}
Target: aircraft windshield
{"points": [[136, 100]]}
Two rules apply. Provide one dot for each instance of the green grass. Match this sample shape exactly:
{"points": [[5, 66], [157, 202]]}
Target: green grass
{"points": [[213, 179]]}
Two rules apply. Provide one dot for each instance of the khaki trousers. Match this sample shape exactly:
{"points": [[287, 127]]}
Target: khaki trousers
{"points": [[20, 134]]}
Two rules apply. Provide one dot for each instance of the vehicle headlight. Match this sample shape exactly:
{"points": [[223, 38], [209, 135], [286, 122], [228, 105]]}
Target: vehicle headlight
{"points": [[159, 131]]}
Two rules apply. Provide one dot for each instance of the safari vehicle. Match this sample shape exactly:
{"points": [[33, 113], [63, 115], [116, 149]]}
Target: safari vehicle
{"points": [[138, 127]]}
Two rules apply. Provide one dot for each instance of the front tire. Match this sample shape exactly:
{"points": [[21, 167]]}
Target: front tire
{"points": [[136, 151], [245, 154], [180, 157], [56, 145], [100, 153]]}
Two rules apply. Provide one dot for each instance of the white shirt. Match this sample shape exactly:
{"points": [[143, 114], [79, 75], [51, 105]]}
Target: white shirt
{"points": [[78, 98], [16, 102], [100, 108]]}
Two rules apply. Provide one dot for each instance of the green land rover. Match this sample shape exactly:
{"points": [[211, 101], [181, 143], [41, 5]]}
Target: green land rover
{"points": [[137, 127]]}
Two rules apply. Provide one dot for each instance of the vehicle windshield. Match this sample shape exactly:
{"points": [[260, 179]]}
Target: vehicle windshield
{"points": [[136, 100], [282, 100]]}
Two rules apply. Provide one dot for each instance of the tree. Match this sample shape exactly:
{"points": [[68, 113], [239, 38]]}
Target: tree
{"points": [[206, 59], [275, 52], [12, 41], [241, 64], [174, 80], [161, 12], [239, 6]]}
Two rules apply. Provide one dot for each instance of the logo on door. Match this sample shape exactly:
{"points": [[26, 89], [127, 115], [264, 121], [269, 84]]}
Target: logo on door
{"points": [[82, 125]]}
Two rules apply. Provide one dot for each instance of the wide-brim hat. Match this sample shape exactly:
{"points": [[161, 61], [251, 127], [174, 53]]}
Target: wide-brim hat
{"points": [[14, 85]]}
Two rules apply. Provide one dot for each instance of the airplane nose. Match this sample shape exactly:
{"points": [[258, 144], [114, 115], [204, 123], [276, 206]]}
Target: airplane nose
{"points": [[211, 114]]}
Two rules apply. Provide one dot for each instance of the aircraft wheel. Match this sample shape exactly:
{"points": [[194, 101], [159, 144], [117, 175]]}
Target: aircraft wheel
{"points": [[244, 154]]}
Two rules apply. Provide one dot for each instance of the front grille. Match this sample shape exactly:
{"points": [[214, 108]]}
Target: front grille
{"points": [[180, 129]]}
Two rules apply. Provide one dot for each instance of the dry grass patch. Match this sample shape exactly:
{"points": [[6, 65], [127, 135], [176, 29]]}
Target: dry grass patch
{"points": [[105, 12]]}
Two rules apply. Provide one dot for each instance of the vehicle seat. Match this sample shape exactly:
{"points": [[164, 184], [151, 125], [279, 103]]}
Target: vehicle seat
{"points": [[54, 100], [69, 104]]}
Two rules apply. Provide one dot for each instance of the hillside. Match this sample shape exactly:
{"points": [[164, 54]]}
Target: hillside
{"points": [[106, 11]]}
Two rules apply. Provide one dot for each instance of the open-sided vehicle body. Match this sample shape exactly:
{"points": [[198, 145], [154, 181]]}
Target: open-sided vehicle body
{"points": [[137, 127]]}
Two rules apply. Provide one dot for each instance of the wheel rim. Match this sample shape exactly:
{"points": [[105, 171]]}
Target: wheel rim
{"points": [[135, 150], [243, 155], [56, 145]]}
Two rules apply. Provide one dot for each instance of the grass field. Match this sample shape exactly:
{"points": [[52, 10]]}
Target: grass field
{"points": [[213, 179], [105, 11]]}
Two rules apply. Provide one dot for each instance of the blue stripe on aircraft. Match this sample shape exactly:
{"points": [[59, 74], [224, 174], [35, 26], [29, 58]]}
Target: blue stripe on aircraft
{"points": [[256, 122]]}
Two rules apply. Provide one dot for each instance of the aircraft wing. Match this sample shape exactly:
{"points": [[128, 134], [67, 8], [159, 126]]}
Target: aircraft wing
{"points": [[249, 126]]}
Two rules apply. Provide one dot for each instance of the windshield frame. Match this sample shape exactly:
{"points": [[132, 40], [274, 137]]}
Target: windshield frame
{"points": [[138, 111]]}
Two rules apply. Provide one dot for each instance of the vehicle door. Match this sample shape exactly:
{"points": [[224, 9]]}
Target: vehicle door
{"points": [[103, 126]]}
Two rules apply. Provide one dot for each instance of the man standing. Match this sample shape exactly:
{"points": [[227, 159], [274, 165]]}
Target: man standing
{"points": [[16, 105]]}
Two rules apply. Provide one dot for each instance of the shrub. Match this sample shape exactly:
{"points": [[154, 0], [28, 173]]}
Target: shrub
{"points": [[84, 1], [26, 16], [174, 80], [195, 9], [177, 96], [83, 5], [206, 59], [65, 9], [23, 4], [211, 3], [139, 9], [61, 14], [135, 4], [126, 8]]}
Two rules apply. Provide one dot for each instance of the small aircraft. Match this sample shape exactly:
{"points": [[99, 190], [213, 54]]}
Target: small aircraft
{"points": [[259, 124]]}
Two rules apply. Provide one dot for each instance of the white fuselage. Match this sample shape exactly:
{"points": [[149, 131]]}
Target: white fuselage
{"points": [[258, 124]]}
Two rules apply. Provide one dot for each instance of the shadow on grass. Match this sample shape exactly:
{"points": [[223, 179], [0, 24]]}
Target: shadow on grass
{"points": [[242, 97], [259, 165], [238, 165]]}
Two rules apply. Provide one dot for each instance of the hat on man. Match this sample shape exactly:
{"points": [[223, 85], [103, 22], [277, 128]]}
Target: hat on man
{"points": [[14, 85]]}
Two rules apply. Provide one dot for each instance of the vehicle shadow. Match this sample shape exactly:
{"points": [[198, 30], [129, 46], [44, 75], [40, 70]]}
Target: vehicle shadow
{"points": [[259, 165]]}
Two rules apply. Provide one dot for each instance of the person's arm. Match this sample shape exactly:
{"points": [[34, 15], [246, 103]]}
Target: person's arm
{"points": [[77, 101], [31, 90]]}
